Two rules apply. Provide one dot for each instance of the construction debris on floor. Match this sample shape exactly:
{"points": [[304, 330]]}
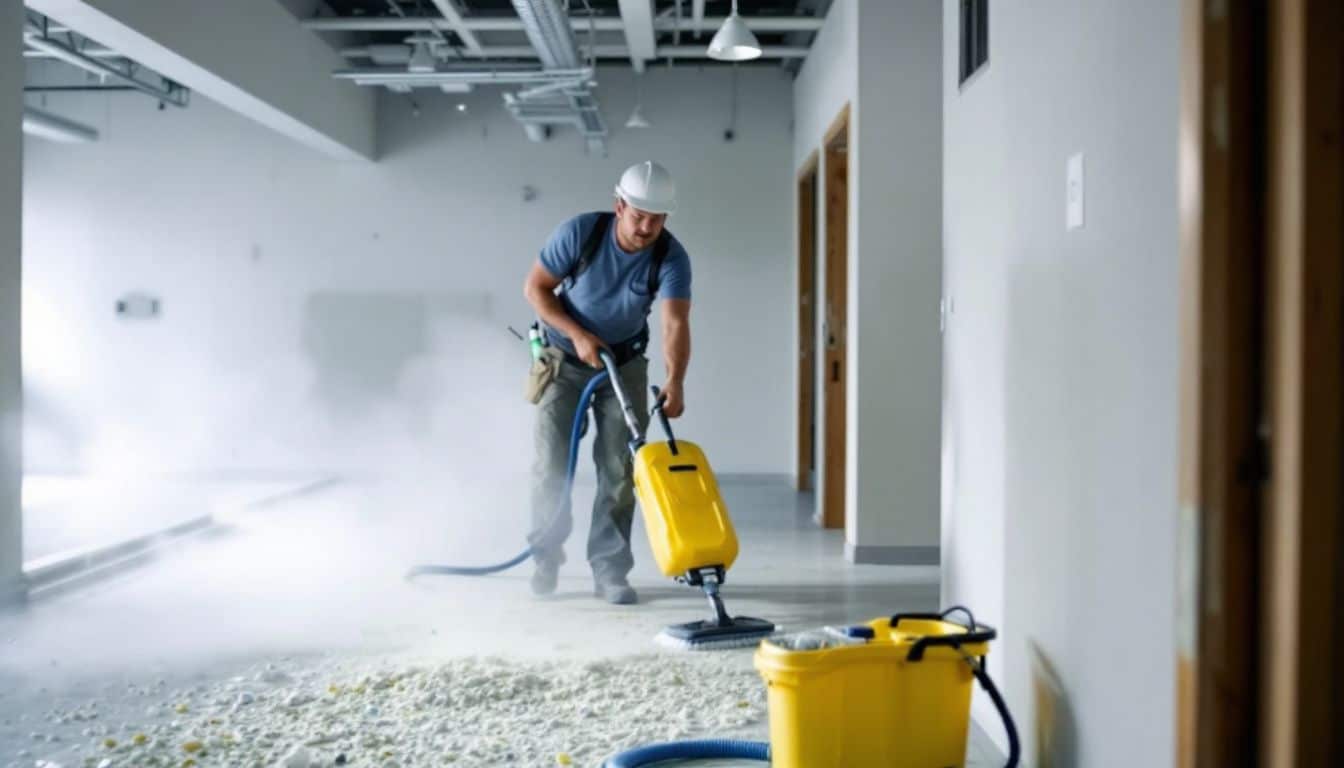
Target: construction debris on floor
{"points": [[468, 712]]}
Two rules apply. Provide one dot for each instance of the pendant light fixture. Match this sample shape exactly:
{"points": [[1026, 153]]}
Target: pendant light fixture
{"points": [[422, 55], [733, 41], [637, 116]]}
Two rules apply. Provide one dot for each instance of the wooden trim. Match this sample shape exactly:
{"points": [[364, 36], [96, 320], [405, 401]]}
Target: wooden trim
{"points": [[838, 133], [1301, 623], [809, 166], [1221, 262], [835, 314], [807, 323], [1190, 164]]}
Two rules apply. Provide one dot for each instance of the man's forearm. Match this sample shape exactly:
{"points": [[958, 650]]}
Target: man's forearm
{"points": [[553, 313], [677, 349]]}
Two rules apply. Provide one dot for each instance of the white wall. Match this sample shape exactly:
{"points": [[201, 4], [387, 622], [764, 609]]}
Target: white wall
{"points": [[883, 60], [1060, 444], [895, 279], [271, 259], [11, 218], [827, 81]]}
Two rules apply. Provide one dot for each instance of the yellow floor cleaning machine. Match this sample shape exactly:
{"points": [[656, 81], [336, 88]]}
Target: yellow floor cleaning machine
{"points": [[689, 530]]}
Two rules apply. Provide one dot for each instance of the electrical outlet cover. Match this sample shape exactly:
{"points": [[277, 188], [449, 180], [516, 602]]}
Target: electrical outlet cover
{"points": [[1074, 193]]}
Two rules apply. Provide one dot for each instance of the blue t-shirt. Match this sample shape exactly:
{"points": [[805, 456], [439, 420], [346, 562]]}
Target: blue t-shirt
{"points": [[611, 298]]}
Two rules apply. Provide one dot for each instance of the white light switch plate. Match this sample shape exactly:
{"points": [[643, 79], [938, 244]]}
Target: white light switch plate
{"points": [[1074, 193]]}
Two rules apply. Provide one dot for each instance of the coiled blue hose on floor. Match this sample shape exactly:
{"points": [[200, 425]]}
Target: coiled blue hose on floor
{"points": [[704, 749], [575, 437]]}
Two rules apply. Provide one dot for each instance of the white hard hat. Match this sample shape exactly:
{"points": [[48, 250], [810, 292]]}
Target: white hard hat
{"points": [[648, 186]]}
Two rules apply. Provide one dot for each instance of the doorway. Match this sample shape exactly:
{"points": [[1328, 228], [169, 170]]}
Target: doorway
{"points": [[835, 318], [1261, 598], [805, 477]]}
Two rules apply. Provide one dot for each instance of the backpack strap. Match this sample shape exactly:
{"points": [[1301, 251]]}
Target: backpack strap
{"points": [[590, 246], [594, 241], [660, 249]]}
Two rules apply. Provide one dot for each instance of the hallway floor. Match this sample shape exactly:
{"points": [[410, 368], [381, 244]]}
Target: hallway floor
{"points": [[290, 636]]}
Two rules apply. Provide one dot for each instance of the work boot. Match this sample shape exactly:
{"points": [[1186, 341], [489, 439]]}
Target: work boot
{"points": [[616, 593], [544, 579]]}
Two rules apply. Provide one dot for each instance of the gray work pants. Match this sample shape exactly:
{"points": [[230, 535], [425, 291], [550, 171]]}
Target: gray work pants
{"points": [[614, 506]]}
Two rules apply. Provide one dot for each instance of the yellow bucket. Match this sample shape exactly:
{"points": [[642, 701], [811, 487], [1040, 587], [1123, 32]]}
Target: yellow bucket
{"points": [[895, 692]]}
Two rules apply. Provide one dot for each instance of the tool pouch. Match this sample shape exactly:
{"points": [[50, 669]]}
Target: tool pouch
{"points": [[543, 371]]}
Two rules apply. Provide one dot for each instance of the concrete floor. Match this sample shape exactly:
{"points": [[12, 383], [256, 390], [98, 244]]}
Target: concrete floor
{"points": [[321, 577], [64, 514]]}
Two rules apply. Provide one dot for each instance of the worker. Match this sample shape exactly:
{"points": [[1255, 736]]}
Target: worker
{"points": [[594, 287]]}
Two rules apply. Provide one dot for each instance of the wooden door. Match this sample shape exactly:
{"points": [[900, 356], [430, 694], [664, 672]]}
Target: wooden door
{"points": [[834, 318], [1262, 387], [807, 325]]}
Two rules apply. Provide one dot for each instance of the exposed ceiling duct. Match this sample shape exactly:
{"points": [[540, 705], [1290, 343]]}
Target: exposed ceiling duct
{"points": [[467, 43], [560, 93], [477, 24], [96, 53], [38, 37], [548, 28], [56, 128], [388, 54], [397, 76]]}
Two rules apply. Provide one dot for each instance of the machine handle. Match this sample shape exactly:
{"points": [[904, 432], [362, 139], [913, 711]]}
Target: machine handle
{"points": [[609, 362], [658, 399], [627, 410]]}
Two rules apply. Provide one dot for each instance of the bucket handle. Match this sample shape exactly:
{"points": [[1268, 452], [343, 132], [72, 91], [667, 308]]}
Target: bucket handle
{"points": [[975, 632], [896, 619]]}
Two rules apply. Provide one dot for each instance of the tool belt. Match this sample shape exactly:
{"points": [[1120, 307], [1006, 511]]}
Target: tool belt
{"points": [[546, 362], [623, 352]]}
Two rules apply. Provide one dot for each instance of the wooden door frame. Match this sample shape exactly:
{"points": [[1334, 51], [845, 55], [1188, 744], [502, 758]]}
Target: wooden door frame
{"points": [[1221, 404], [807, 322], [1262, 442], [1302, 593], [835, 149]]}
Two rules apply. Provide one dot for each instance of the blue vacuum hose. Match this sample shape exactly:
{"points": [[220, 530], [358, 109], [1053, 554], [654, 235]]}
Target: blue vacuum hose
{"points": [[704, 749], [575, 437]]}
